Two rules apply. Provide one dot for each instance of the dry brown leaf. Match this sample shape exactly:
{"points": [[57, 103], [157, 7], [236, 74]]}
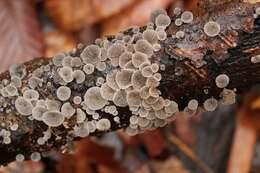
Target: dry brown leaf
{"points": [[21, 38], [57, 41], [154, 142], [244, 142], [72, 15], [137, 15], [256, 104], [170, 165]]}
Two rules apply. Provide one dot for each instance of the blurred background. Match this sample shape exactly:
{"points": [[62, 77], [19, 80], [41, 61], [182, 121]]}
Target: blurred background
{"points": [[223, 141]]}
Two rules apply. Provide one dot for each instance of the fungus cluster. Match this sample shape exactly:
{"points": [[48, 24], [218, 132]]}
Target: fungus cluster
{"points": [[128, 75]]}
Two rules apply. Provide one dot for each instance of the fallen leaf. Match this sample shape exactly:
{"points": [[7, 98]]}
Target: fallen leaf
{"points": [[256, 104], [244, 142], [21, 38], [136, 15], [72, 15], [155, 148], [170, 165], [57, 41]]}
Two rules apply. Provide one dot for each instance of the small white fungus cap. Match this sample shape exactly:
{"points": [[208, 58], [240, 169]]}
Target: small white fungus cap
{"points": [[103, 124], [63, 93], [93, 99], [23, 106], [222, 80], [211, 29], [53, 118]]}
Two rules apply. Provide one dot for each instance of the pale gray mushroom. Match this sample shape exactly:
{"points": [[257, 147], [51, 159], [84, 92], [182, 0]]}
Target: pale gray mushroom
{"points": [[103, 124], [63, 93], [91, 54], [211, 29], [53, 118], [23, 106], [93, 99]]}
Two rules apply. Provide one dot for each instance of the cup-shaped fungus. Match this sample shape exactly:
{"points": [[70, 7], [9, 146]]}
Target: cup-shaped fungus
{"points": [[123, 78], [93, 99], [119, 98], [125, 58], [107, 92], [151, 100], [38, 112], [133, 98], [91, 54], [158, 105], [144, 46], [147, 71], [162, 20], [101, 66], [77, 100], [187, 17], [88, 68], [161, 34], [23, 106], [210, 104], [35, 156], [53, 105], [180, 34], [156, 13], [138, 80], [211, 29], [18, 71], [143, 122], [31, 94], [138, 59], [67, 110], [150, 35], [103, 124], [16, 81], [53, 118], [155, 67], [81, 116], [193, 104], [66, 62], [161, 114], [79, 76], [63, 93], [172, 108], [144, 92], [114, 52], [76, 62], [255, 59], [81, 131], [111, 80], [11, 90], [222, 80], [66, 74], [178, 22], [19, 157]]}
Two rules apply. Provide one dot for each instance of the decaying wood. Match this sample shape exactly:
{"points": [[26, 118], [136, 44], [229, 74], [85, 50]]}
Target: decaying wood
{"points": [[229, 53]]}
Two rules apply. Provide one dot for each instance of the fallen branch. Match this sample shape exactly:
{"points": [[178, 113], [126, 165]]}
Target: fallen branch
{"points": [[189, 67]]}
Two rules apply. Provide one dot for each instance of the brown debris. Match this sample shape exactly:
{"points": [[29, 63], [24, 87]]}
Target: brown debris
{"points": [[135, 16], [22, 42], [245, 139], [57, 41], [72, 15]]}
